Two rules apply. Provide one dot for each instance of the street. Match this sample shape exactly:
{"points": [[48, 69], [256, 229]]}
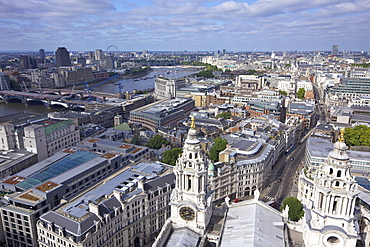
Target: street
{"points": [[285, 175]]}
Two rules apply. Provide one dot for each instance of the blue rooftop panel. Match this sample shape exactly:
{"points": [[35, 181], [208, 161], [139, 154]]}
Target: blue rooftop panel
{"points": [[71, 161]]}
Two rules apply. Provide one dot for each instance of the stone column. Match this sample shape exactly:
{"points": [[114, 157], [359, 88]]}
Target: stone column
{"points": [[344, 207]]}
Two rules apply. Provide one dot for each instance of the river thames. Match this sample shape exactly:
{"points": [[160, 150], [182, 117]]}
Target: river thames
{"points": [[140, 83]]}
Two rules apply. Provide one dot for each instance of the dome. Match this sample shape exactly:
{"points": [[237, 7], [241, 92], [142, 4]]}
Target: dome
{"points": [[339, 151]]}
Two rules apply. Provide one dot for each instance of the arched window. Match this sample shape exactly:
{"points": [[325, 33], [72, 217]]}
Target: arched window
{"points": [[337, 183], [339, 173], [331, 171]]}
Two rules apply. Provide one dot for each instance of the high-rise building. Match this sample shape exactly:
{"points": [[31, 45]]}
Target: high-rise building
{"points": [[62, 57], [42, 54], [29, 62], [223, 52], [335, 50], [99, 55], [90, 55]]}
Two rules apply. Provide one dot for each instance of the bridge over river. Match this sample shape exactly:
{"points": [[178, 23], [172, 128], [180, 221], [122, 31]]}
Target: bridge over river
{"points": [[54, 97]]}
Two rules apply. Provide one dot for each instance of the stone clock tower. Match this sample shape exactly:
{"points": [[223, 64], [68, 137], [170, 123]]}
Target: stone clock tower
{"points": [[191, 202]]}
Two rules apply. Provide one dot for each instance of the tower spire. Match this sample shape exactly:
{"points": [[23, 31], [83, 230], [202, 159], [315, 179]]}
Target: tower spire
{"points": [[192, 122]]}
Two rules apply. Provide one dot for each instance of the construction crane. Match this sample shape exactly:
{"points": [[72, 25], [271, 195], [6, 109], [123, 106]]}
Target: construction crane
{"points": [[88, 88]]}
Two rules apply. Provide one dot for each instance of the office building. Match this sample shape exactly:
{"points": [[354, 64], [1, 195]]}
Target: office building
{"points": [[14, 161], [49, 137], [42, 54], [162, 113], [28, 62], [167, 88], [335, 50], [303, 110], [62, 57], [246, 165], [57, 179], [99, 55], [126, 210]]}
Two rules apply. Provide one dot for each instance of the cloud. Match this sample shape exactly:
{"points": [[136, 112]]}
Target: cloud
{"points": [[163, 24]]}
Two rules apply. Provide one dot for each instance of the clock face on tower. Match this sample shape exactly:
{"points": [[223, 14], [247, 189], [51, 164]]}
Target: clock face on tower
{"points": [[187, 213]]}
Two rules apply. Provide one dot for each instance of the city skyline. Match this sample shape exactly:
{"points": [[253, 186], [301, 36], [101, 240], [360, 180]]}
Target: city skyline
{"points": [[185, 25]]}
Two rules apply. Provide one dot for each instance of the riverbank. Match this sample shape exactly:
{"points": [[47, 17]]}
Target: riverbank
{"points": [[136, 75]]}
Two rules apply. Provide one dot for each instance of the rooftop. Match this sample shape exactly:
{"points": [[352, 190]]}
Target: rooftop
{"points": [[69, 162], [253, 224]]}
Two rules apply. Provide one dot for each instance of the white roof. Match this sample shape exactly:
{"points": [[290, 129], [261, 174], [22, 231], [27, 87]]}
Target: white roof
{"points": [[253, 224]]}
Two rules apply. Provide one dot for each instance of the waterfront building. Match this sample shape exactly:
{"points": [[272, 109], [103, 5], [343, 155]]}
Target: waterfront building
{"points": [[7, 137], [162, 113], [166, 88], [49, 137], [126, 210], [4, 82], [62, 57]]}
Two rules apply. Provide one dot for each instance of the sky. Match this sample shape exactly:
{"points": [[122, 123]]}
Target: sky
{"points": [[178, 25]]}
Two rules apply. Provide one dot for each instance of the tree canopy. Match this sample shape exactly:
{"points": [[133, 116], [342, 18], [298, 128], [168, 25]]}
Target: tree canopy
{"points": [[300, 94], [135, 140], [170, 156], [357, 136], [218, 146], [282, 92], [225, 114], [157, 141], [295, 208]]}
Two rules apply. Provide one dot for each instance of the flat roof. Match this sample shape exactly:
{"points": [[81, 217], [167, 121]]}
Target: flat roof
{"points": [[253, 224], [76, 216], [67, 163]]}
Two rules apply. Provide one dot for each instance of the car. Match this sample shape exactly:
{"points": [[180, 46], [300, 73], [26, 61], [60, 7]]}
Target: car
{"points": [[279, 180], [292, 158]]}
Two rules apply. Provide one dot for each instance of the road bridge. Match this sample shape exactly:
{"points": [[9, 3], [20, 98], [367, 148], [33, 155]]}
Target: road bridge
{"points": [[48, 99]]}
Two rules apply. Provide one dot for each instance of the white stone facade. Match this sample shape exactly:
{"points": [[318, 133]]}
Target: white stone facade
{"points": [[328, 195]]}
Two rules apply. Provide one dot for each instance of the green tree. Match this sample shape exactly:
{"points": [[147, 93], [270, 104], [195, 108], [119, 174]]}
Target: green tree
{"points": [[225, 114], [218, 146], [251, 72], [135, 140], [157, 141], [282, 92], [295, 208], [300, 94], [170, 156], [357, 136], [15, 85]]}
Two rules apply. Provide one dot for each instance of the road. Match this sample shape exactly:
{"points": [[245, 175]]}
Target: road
{"points": [[285, 175]]}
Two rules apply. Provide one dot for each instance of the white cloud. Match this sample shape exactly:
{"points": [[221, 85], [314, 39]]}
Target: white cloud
{"points": [[195, 23]]}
